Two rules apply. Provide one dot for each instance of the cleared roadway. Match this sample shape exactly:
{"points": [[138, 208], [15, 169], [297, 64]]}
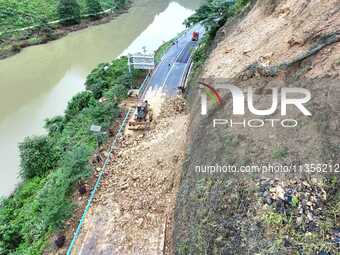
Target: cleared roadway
{"points": [[170, 72]]}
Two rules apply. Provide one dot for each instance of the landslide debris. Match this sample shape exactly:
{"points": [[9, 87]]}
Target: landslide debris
{"points": [[133, 210], [277, 43]]}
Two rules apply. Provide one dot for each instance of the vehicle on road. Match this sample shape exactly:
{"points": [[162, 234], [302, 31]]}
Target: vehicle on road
{"points": [[142, 117], [195, 36]]}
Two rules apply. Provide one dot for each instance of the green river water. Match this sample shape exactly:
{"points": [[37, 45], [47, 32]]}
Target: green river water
{"points": [[37, 83]]}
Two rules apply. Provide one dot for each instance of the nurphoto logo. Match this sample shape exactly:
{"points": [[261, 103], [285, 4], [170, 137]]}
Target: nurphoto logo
{"points": [[281, 98]]}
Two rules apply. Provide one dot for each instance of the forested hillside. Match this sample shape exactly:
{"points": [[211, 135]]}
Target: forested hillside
{"points": [[26, 23], [19, 14]]}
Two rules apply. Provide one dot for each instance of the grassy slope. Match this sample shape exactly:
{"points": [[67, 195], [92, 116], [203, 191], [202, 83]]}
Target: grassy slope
{"points": [[18, 14], [37, 15]]}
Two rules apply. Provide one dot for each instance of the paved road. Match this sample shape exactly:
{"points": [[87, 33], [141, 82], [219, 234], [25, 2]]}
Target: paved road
{"points": [[170, 72]]}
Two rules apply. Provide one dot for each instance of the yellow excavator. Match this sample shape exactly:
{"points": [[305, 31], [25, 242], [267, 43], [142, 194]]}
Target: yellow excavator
{"points": [[142, 117]]}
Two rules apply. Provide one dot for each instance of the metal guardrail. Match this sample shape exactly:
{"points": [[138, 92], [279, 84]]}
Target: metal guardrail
{"points": [[118, 135], [186, 72], [98, 182], [144, 86]]}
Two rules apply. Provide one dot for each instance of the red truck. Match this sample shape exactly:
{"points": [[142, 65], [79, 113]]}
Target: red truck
{"points": [[195, 36]]}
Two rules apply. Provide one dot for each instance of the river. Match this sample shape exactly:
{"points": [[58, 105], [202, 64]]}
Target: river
{"points": [[37, 83]]}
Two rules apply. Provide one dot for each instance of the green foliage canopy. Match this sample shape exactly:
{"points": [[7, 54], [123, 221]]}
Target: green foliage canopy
{"points": [[53, 164], [93, 6], [216, 12], [69, 12], [80, 101], [37, 155]]}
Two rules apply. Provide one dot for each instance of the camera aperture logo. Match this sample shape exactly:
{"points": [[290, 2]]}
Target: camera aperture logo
{"points": [[280, 98]]}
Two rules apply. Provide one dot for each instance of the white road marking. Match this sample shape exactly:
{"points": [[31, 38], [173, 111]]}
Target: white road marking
{"points": [[172, 67]]}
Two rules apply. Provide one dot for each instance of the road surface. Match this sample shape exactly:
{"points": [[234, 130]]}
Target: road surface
{"points": [[101, 234], [170, 72]]}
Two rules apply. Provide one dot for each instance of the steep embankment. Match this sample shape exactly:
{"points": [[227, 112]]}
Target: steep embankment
{"points": [[276, 44]]}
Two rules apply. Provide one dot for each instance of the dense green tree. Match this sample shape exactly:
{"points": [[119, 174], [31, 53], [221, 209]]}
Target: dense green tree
{"points": [[216, 12], [106, 76], [37, 156], [55, 125], [93, 6], [78, 103], [118, 4], [69, 11]]}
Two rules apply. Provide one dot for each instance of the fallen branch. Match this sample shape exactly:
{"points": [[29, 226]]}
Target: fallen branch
{"points": [[273, 70]]}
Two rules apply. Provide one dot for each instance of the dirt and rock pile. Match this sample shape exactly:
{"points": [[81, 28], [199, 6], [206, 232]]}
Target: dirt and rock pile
{"points": [[133, 210], [276, 44]]}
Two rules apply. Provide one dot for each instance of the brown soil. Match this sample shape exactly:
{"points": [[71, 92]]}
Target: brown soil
{"points": [[281, 43], [133, 210], [274, 35]]}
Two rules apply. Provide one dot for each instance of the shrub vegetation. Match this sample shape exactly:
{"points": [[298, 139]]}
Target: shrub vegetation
{"points": [[52, 165], [115, 77], [93, 6], [19, 14], [38, 156], [69, 12], [78, 103]]}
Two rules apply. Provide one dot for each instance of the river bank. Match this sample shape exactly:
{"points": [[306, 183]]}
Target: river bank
{"points": [[59, 169], [53, 31], [43, 201], [51, 74], [56, 165]]}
